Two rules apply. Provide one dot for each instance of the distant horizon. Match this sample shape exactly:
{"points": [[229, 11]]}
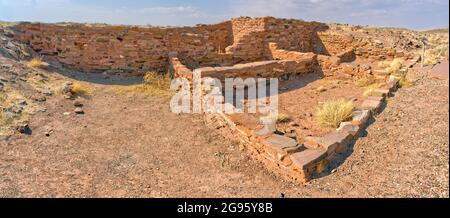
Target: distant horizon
{"points": [[212, 23], [417, 15]]}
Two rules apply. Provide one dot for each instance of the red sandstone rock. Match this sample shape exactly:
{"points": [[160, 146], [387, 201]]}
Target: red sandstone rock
{"points": [[278, 146], [330, 141], [306, 159], [360, 117], [372, 105]]}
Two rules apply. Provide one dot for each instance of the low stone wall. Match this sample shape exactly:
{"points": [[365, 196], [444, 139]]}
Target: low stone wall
{"points": [[96, 48], [261, 69], [286, 158], [179, 69]]}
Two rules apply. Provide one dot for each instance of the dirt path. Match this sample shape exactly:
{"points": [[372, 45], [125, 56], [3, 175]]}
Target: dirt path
{"points": [[132, 146]]}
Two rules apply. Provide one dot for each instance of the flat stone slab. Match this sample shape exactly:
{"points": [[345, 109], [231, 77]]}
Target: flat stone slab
{"points": [[383, 92], [308, 158], [440, 71], [372, 105], [280, 142], [332, 140], [375, 98], [349, 128], [360, 117]]}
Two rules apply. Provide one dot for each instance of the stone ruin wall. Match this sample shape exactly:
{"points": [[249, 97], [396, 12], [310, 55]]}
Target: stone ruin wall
{"points": [[126, 49]]}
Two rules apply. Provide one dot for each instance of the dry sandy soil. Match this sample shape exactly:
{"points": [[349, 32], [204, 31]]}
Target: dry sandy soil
{"points": [[128, 145]]}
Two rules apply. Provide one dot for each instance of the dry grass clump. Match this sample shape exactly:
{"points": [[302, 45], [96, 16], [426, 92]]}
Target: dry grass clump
{"points": [[364, 81], [155, 80], [283, 118], [395, 65], [384, 64], [391, 67], [436, 54], [279, 117], [404, 81], [332, 113], [154, 84], [2, 113], [82, 89], [437, 48], [36, 63], [371, 90]]}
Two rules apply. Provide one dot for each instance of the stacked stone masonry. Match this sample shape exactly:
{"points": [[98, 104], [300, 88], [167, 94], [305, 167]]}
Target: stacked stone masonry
{"points": [[93, 48], [242, 47], [300, 162]]}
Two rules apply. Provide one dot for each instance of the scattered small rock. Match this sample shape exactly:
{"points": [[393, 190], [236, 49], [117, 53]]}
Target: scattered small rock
{"points": [[79, 110], [308, 114], [23, 128], [38, 98], [321, 89], [278, 132], [22, 102], [68, 88], [77, 104], [293, 124], [47, 92], [16, 109]]}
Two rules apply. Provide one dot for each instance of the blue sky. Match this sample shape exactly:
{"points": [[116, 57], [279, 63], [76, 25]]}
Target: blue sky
{"points": [[415, 14]]}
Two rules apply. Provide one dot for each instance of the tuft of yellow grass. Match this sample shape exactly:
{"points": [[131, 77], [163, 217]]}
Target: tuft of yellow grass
{"points": [[395, 65], [154, 84], [36, 63], [364, 81], [332, 113], [436, 54], [283, 118], [279, 117], [384, 64], [391, 67], [404, 81], [371, 90], [82, 89]]}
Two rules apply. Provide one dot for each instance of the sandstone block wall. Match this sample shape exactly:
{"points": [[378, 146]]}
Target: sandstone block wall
{"points": [[127, 48]]}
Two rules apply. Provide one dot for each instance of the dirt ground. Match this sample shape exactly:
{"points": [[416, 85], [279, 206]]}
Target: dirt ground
{"points": [[128, 145]]}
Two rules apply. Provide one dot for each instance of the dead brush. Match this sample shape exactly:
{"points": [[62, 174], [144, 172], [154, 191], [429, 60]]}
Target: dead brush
{"points": [[332, 113], [391, 67], [279, 117], [36, 63], [154, 84], [371, 90], [404, 81], [436, 54], [155, 80], [81, 90], [364, 81]]}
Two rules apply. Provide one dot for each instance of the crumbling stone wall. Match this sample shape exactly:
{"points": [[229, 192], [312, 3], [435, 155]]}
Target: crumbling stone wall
{"points": [[129, 49]]}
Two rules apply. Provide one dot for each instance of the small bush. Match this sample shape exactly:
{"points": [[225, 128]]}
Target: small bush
{"points": [[2, 117], [384, 64], [332, 113], [283, 118], [364, 81], [371, 90], [391, 67], [36, 63], [436, 54], [81, 90], [156, 80], [395, 65], [404, 82], [280, 117], [154, 84]]}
